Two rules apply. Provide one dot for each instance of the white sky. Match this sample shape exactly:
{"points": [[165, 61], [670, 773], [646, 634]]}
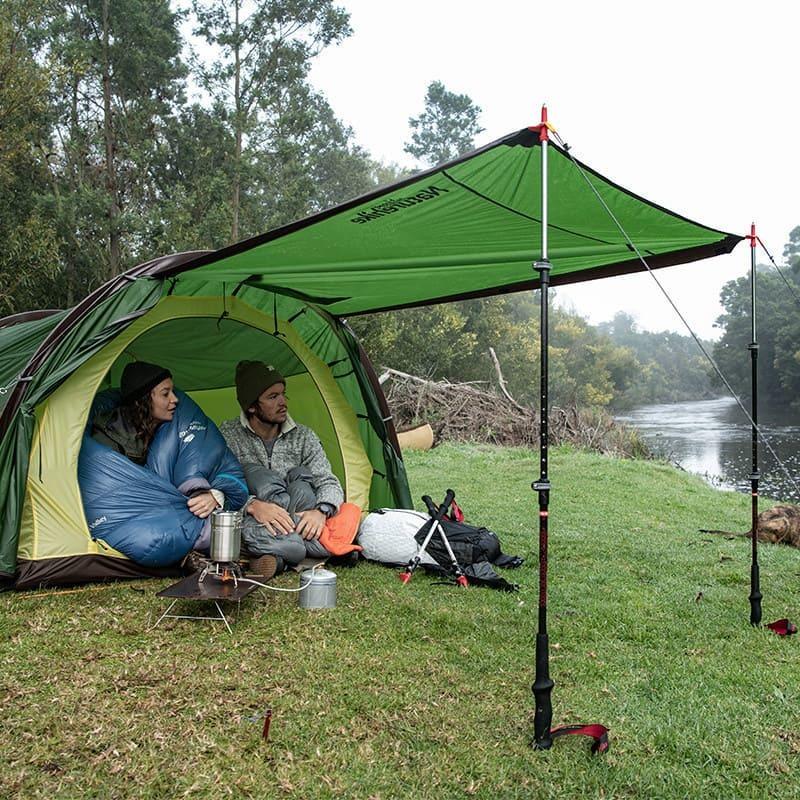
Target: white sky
{"points": [[689, 104]]}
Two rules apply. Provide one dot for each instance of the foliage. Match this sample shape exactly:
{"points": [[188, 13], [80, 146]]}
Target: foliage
{"points": [[424, 690], [29, 255], [791, 252], [452, 341], [103, 164], [446, 128], [778, 332], [117, 77], [287, 153], [666, 367]]}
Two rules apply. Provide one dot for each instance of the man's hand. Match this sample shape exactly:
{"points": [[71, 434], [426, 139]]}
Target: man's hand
{"points": [[311, 524], [201, 505], [274, 518]]}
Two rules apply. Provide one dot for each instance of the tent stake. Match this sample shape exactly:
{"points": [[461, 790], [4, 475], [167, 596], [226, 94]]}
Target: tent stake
{"points": [[543, 685], [755, 583]]}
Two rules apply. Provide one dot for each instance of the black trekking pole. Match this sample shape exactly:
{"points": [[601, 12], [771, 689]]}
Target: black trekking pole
{"points": [[543, 732], [436, 527], [437, 516], [755, 581], [543, 685]]}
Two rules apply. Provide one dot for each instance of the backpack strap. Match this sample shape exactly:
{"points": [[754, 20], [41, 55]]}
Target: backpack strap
{"points": [[456, 514]]}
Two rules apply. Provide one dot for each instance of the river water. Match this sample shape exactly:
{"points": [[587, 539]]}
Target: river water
{"points": [[713, 438]]}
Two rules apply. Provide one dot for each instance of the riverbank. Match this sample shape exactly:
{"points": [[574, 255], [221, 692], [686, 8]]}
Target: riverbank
{"points": [[424, 690]]}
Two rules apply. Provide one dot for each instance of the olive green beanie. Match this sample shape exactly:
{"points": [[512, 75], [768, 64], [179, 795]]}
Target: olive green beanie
{"points": [[252, 378]]}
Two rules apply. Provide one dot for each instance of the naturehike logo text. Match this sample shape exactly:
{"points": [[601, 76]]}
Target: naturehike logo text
{"points": [[397, 204]]}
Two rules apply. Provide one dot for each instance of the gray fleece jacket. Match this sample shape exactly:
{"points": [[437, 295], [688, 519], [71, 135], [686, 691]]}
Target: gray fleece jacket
{"points": [[295, 446]]}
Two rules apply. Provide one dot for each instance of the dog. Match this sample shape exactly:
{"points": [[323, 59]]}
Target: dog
{"points": [[776, 525]]}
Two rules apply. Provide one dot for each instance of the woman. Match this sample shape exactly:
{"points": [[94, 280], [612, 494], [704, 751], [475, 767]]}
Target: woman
{"points": [[147, 399]]}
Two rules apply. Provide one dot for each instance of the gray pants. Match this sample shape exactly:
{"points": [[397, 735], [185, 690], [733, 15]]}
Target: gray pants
{"points": [[293, 492]]}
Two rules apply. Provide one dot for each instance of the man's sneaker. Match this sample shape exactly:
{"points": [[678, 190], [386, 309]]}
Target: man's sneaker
{"points": [[193, 561], [263, 567]]}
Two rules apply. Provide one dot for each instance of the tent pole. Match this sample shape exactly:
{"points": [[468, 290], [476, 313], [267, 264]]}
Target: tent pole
{"points": [[755, 584], [543, 685]]}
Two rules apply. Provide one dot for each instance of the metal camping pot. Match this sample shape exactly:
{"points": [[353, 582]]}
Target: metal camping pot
{"points": [[226, 535], [319, 589]]}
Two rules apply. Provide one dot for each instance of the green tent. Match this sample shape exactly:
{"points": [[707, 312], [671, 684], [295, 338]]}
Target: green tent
{"points": [[469, 228]]}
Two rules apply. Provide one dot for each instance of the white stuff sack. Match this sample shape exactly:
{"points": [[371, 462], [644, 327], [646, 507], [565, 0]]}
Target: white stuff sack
{"points": [[387, 535]]}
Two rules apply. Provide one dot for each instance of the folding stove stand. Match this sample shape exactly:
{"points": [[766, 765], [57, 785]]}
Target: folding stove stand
{"points": [[210, 590]]}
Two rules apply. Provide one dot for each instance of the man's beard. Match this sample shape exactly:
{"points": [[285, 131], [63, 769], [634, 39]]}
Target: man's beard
{"points": [[263, 418]]}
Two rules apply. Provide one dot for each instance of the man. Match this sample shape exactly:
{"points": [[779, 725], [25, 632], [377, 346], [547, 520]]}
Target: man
{"points": [[295, 490]]}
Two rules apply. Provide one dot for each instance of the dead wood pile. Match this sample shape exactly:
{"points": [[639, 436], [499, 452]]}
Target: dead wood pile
{"points": [[469, 412]]}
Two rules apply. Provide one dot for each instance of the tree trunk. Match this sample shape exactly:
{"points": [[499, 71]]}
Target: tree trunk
{"points": [[237, 121], [110, 142]]}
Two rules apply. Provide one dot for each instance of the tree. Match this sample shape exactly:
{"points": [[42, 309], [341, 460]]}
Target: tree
{"points": [[791, 252], [29, 256], [776, 312], [446, 128], [118, 76], [668, 366], [257, 75]]}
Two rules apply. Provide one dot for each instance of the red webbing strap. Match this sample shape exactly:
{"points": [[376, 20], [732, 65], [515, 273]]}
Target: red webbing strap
{"points": [[456, 514], [597, 732], [782, 627]]}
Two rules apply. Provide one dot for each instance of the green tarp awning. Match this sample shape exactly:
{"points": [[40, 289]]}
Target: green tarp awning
{"points": [[468, 228]]}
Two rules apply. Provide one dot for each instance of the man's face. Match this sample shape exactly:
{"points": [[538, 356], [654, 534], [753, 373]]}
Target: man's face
{"points": [[271, 408]]}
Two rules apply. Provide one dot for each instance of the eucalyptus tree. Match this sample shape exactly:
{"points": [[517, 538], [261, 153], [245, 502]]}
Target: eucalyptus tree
{"points": [[119, 76], [284, 137], [29, 255], [446, 128]]}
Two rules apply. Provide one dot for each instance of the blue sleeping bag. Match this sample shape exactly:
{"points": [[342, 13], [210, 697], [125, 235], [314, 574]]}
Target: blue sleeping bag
{"points": [[141, 510]]}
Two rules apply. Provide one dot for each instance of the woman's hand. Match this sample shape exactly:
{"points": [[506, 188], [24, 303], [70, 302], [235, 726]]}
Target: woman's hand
{"points": [[201, 505], [274, 518], [311, 524]]}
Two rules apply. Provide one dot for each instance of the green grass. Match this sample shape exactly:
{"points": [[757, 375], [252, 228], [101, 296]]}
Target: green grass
{"points": [[423, 691]]}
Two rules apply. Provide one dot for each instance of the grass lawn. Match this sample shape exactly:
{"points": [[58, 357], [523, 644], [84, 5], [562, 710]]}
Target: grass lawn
{"points": [[423, 691]]}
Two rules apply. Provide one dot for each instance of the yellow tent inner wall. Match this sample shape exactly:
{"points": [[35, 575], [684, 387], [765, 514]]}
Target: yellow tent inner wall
{"points": [[53, 523]]}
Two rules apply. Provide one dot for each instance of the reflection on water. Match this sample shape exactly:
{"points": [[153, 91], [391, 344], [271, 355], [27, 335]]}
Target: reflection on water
{"points": [[713, 438]]}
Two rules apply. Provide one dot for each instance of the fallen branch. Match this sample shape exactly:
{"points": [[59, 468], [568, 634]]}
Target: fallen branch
{"points": [[502, 380]]}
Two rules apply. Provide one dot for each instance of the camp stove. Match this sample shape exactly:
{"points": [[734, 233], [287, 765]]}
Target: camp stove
{"points": [[226, 543], [224, 571]]}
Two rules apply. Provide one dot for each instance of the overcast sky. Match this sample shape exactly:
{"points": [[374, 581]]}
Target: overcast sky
{"points": [[689, 104]]}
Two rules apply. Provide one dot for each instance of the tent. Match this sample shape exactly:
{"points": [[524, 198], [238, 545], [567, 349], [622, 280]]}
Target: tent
{"points": [[468, 228], [332, 386]]}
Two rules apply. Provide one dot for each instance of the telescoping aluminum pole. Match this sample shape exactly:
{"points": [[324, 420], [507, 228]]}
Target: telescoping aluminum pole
{"points": [[755, 581], [543, 685]]}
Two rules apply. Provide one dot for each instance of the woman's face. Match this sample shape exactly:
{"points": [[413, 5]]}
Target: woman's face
{"points": [[163, 401]]}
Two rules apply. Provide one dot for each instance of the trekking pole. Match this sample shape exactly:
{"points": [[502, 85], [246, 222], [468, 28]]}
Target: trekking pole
{"points": [[405, 575], [755, 580], [461, 578]]}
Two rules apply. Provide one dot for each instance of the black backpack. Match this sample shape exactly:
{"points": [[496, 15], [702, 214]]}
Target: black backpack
{"points": [[470, 544]]}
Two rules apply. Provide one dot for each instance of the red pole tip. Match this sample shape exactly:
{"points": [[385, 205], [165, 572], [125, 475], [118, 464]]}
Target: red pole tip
{"points": [[752, 234], [543, 129]]}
